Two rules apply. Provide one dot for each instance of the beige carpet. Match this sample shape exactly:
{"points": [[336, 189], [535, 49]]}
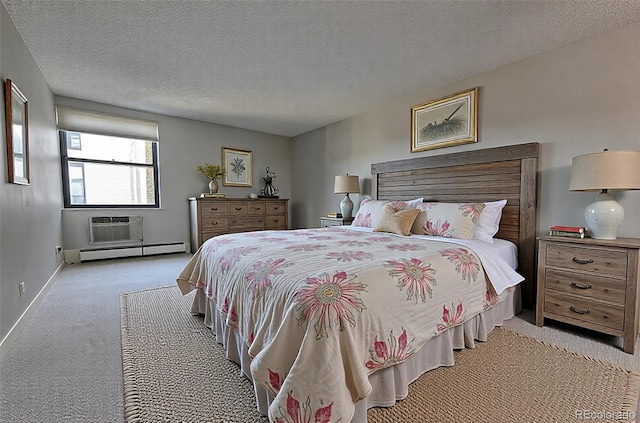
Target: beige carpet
{"points": [[174, 370]]}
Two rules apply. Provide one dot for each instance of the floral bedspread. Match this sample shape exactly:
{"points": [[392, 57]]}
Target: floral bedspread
{"points": [[320, 309]]}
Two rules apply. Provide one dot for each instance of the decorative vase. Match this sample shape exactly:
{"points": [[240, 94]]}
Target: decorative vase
{"points": [[213, 186]]}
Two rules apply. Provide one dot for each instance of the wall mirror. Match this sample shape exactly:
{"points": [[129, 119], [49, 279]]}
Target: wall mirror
{"points": [[17, 123]]}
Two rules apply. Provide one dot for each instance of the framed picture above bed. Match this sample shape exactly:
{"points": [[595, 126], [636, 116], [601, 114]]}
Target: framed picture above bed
{"points": [[237, 165], [445, 122]]}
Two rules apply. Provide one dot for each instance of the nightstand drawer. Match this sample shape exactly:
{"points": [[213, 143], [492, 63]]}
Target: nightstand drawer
{"points": [[603, 314], [594, 260], [327, 223], [585, 285]]}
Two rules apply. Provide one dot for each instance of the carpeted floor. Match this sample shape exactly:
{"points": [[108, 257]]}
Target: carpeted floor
{"points": [[532, 380], [66, 365]]}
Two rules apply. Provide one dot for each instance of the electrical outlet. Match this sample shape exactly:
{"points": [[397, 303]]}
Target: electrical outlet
{"points": [[21, 288], [58, 249]]}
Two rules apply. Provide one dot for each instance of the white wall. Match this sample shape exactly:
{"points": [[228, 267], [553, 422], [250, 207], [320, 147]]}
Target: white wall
{"points": [[30, 225], [577, 99], [183, 145]]}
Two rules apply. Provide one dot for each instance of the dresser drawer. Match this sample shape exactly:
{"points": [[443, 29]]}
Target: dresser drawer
{"points": [[214, 209], [256, 208], [238, 208], [215, 223], [209, 235], [603, 314], [586, 285], [594, 260], [276, 222], [276, 207], [249, 223]]}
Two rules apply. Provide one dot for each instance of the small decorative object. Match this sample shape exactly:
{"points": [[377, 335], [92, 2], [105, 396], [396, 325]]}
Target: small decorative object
{"points": [[17, 127], [604, 172], [269, 191], [237, 167], [213, 173], [345, 184], [253, 195], [445, 122]]}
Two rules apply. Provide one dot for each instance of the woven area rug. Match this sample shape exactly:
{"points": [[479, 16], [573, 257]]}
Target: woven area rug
{"points": [[174, 370]]}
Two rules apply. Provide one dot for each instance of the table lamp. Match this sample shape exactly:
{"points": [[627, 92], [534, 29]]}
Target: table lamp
{"points": [[345, 184], [604, 172]]}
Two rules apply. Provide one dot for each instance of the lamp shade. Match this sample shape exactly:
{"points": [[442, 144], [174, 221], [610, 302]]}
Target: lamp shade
{"points": [[610, 170], [345, 184], [604, 172]]}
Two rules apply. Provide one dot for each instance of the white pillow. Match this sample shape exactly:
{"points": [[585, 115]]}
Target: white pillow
{"points": [[413, 204], [489, 221]]}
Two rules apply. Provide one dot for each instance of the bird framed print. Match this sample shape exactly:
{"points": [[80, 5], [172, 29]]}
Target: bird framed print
{"points": [[445, 122]]}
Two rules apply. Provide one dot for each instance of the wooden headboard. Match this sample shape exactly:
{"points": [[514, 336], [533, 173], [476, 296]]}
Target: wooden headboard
{"points": [[490, 174]]}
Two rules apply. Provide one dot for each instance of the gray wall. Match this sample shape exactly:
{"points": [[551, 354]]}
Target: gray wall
{"points": [[30, 222], [183, 145], [577, 99]]}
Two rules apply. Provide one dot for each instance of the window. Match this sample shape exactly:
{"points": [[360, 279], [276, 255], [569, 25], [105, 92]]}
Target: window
{"points": [[107, 160], [108, 171]]}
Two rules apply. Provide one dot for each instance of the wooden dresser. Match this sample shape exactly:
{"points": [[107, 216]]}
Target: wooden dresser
{"points": [[591, 283], [218, 216]]}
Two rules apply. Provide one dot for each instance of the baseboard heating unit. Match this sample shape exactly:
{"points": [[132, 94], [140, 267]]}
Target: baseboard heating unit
{"points": [[88, 254]]}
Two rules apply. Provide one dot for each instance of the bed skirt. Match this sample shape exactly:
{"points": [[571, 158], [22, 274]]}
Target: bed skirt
{"points": [[390, 384]]}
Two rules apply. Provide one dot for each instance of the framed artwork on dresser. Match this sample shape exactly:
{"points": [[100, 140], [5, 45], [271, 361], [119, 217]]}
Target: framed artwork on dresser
{"points": [[237, 165]]}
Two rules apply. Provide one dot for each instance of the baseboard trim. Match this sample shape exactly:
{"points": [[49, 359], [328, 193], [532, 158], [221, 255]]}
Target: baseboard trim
{"points": [[10, 338]]}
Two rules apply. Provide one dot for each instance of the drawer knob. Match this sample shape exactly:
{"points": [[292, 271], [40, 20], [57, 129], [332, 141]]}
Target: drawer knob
{"points": [[238, 208], [579, 311], [214, 223], [581, 261], [214, 208], [581, 286], [275, 220]]}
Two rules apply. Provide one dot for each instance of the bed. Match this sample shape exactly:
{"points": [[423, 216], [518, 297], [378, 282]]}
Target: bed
{"points": [[329, 322]]}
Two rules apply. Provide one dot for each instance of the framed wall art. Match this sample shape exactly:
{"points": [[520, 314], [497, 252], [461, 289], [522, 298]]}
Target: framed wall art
{"points": [[237, 165], [445, 122], [17, 127]]}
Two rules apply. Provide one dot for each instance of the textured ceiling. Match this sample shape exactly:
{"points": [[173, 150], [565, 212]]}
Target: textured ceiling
{"points": [[288, 67]]}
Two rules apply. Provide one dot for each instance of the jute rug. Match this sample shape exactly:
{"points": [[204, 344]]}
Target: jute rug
{"points": [[175, 371]]}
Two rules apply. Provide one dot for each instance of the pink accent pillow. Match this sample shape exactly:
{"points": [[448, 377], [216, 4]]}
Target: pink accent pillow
{"points": [[448, 220], [371, 211]]}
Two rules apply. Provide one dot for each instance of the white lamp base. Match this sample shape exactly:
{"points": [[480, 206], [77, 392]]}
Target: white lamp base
{"points": [[346, 206], [604, 217]]}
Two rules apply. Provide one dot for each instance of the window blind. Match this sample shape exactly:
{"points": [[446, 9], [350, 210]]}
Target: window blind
{"points": [[76, 120]]}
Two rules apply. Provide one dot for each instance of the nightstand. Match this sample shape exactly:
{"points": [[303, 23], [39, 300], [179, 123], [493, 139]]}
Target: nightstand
{"points": [[591, 283], [325, 222]]}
